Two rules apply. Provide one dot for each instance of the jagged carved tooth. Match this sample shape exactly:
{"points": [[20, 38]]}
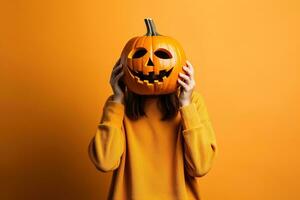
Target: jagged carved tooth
{"points": [[164, 78], [150, 84], [138, 80], [146, 82], [156, 81]]}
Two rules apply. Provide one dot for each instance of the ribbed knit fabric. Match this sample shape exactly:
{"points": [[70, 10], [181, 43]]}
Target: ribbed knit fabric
{"points": [[153, 159]]}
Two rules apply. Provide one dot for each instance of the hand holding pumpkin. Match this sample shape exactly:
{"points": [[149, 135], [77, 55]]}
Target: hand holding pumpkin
{"points": [[187, 84], [152, 62], [116, 75]]}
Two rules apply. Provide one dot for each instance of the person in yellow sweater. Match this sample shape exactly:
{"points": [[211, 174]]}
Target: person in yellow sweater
{"points": [[158, 146]]}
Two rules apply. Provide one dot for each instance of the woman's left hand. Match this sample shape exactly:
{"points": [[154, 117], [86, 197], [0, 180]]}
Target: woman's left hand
{"points": [[187, 84]]}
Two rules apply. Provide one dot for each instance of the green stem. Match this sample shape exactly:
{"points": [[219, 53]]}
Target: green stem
{"points": [[151, 30]]}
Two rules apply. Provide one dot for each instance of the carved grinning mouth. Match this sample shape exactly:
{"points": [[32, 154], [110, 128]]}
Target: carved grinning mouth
{"points": [[151, 77]]}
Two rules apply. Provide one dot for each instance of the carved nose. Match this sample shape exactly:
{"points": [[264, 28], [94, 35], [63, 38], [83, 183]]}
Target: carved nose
{"points": [[150, 63]]}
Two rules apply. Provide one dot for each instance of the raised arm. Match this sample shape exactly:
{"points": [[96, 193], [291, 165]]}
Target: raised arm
{"points": [[107, 146], [200, 147]]}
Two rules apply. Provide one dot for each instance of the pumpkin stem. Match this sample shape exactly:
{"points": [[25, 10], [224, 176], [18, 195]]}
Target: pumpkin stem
{"points": [[151, 30]]}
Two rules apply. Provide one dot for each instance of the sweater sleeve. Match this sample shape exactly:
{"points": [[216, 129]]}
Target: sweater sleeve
{"points": [[200, 147], [107, 146]]}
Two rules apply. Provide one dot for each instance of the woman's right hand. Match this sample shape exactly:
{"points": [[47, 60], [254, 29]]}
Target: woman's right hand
{"points": [[116, 75]]}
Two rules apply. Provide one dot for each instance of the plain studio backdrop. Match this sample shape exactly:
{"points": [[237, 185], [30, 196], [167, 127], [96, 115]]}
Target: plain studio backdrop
{"points": [[56, 58]]}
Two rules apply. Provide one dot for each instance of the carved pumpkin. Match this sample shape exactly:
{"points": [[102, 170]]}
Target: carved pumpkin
{"points": [[152, 62]]}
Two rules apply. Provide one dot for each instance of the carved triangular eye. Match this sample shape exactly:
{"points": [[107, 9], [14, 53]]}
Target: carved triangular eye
{"points": [[140, 52], [163, 54]]}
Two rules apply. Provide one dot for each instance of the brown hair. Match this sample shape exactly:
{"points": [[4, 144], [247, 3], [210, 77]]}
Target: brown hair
{"points": [[167, 103]]}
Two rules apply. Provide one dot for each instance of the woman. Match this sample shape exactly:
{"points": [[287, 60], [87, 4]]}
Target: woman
{"points": [[156, 146]]}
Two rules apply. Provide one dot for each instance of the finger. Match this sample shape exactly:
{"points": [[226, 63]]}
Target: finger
{"points": [[114, 72], [183, 84], [185, 77], [118, 76], [117, 69], [118, 62], [190, 66], [188, 71], [117, 66]]}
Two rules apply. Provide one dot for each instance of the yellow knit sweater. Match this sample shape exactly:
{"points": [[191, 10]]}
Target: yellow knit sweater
{"points": [[153, 159]]}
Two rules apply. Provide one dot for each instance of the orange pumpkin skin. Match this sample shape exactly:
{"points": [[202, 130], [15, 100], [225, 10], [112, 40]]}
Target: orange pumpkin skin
{"points": [[152, 63]]}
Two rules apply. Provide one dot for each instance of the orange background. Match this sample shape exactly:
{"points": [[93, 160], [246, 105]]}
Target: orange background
{"points": [[56, 57]]}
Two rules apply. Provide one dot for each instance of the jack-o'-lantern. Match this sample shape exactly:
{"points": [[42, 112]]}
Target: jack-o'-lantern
{"points": [[152, 62]]}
